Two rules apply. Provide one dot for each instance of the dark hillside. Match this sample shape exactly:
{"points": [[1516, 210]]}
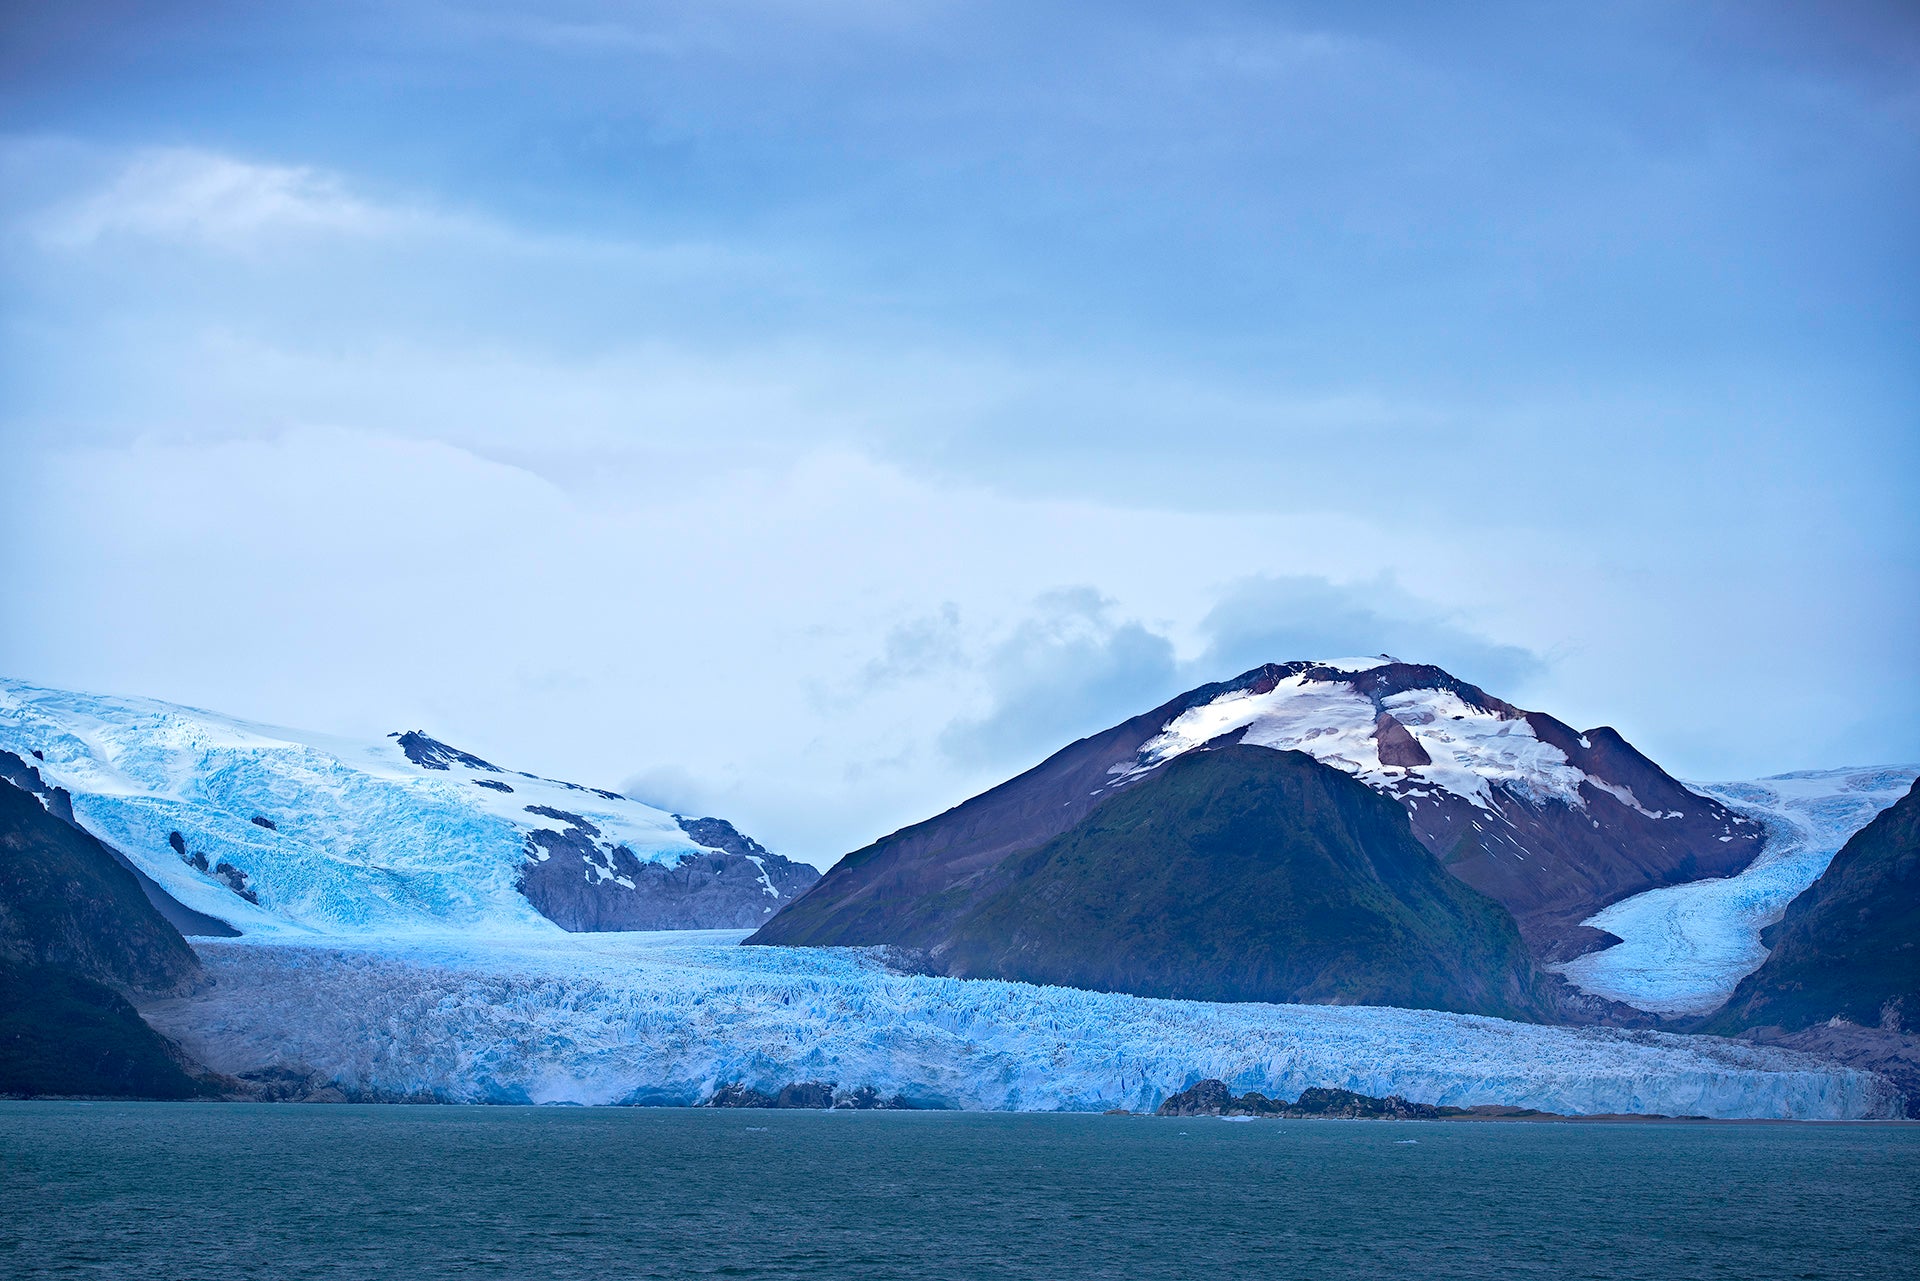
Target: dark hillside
{"points": [[1246, 874], [1849, 945]]}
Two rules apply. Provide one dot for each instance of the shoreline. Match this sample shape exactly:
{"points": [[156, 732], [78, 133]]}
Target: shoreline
{"points": [[1542, 1118]]}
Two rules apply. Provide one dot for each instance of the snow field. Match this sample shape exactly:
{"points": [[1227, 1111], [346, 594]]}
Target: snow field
{"points": [[1471, 749]]}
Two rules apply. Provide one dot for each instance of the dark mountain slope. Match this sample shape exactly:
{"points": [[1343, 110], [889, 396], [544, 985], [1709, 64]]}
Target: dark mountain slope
{"points": [[76, 931], [65, 900], [1849, 945], [59, 803], [65, 1035], [902, 885], [1243, 874]]}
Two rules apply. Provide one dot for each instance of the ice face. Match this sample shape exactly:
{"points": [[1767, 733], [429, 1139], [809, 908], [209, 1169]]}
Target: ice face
{"points": [[1686, 947], [668, 1018]]}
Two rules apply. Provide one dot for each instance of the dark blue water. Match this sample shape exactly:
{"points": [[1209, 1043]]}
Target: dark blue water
{"points": [[240, 1191]]}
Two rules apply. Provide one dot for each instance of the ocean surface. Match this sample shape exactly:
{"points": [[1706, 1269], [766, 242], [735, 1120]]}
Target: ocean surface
{"points": [[229, 1191]]}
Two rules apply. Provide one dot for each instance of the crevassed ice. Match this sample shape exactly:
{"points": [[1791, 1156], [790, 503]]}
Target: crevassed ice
{"points": [[364, 841], [1471, 749], [1685, 948], [669, 1018]]}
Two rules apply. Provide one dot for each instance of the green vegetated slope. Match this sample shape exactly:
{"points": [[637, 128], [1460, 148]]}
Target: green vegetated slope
{"points": [[1849, 946], [76, 933], [1247, 874]]}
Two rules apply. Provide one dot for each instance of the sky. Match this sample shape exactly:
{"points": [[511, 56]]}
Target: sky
{"points": [[815, 413]]}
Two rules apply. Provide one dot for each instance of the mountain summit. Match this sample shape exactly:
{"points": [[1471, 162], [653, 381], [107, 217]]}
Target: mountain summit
{"points": [[1549, 822]]}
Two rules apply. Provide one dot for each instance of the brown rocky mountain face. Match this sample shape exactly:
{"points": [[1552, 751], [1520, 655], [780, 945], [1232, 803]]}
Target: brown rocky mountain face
{"points": [[1551, 823]]}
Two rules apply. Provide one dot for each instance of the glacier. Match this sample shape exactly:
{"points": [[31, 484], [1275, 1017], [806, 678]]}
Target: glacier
{"points": [[1685, 948], [666, 1018], [386, 949], [327, 836]]}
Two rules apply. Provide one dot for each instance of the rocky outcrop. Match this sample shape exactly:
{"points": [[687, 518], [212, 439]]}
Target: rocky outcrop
{"points": [[66, 901], [816, 1096], [431, 753], [583, 883], [1213, 1098]]}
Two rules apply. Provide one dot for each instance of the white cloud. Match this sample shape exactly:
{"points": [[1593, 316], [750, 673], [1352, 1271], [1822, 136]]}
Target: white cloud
{"points": [[179, 193]]}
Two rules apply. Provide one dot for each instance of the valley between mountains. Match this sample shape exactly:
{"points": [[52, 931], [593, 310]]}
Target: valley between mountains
{"points": [[1362, 875]]}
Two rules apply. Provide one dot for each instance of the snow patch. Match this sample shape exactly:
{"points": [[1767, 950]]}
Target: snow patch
{"points": [[1626, 797]]}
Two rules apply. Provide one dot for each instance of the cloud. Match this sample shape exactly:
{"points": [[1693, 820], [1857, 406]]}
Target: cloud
{"points": [[916, 648], [1277, 619], [182, 193], [1074, 665], [1064, 672]]}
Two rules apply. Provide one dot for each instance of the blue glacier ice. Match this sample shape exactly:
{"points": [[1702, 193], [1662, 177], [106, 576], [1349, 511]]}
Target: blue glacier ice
{"points": [[363, 840], [665, 1018], [1684, 948]]}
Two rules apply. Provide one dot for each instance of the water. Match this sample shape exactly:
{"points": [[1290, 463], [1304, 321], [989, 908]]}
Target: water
{"points": [[227, 1191]]}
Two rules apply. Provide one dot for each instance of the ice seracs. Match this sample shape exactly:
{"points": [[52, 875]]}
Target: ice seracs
{"points": [[669, 1018]]}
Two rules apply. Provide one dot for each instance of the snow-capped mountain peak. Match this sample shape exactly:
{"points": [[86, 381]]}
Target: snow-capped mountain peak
{"points": [[1396, 726]]}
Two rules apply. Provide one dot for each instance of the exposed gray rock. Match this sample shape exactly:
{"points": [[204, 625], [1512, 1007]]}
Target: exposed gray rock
{"points": [[431, 753], [584, 884], [1213, 1098]]}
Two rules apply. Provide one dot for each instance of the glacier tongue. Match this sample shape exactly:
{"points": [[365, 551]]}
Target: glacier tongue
{"points": [[665, 1018], [1686, 947]]}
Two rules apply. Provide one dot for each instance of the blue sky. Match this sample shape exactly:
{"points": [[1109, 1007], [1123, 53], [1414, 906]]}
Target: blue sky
{"points": [[816, 412]]}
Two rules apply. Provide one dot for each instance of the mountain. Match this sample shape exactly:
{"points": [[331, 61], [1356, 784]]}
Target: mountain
{"points": [[1242, 874], [253, 829], [1849, 947], [1550, 822], [76, 936]]}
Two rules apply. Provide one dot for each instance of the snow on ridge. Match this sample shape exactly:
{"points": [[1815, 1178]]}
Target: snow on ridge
{"points": [[628, 1018], [331, 836], [1355, 665], [1472, 750], [1685, 948]]}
